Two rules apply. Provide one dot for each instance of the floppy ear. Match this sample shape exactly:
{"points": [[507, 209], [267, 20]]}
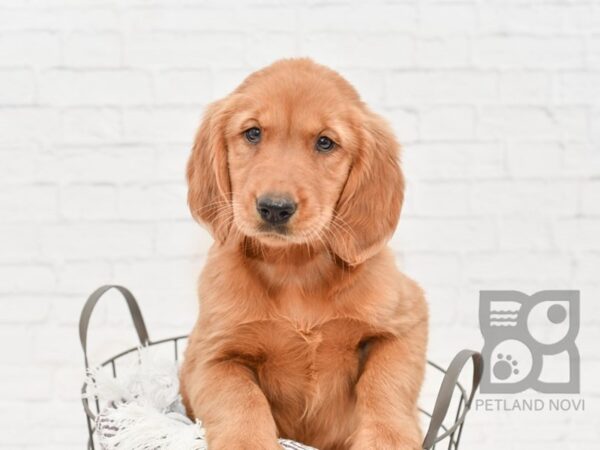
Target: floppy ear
{"points": [[209, 190], [369, 207]]}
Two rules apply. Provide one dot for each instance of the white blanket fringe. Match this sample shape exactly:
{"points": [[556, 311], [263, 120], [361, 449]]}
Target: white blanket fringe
{"points": [[142, 409]]}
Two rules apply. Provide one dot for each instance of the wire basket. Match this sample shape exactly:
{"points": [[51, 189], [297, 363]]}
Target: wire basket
{"points": [[439, 434]]}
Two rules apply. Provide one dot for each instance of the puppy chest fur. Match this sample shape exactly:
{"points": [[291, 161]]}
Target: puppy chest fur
{"points": [[308, 373], [304, 350]]}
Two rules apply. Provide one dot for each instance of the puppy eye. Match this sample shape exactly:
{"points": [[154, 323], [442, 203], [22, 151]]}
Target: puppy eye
{"points": [[324, 144], [253, 135]]}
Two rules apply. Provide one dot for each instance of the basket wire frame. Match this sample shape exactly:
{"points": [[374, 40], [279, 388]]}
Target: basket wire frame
{"points": [[438, 435]]}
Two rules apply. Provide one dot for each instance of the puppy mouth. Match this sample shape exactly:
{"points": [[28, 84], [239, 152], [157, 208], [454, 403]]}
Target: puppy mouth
{"points": [[275, 234], [293, 232], [280, 231], [285, 235], [278, 234]]}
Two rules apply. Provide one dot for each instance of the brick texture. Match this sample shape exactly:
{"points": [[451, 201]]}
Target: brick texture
{"points": [[497, 105]]}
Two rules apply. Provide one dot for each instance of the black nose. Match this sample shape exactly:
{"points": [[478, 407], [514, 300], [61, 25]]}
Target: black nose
{"points": [[275, 210]]}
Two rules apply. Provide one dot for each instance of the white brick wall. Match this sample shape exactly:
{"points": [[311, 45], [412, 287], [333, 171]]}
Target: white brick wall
{"points": [[497, 104]]}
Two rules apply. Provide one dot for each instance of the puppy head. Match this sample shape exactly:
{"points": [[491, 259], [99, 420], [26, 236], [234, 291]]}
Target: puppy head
{"points": [[293, 156]]}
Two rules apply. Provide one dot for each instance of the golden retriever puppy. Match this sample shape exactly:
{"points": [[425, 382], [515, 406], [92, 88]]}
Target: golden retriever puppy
{"points": [[307, 330]]}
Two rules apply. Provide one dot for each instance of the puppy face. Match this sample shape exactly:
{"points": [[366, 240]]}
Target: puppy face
{"points": [[291, 141], [293, 157]]}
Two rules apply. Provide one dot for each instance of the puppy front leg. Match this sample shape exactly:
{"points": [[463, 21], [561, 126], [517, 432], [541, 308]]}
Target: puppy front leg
{"points": [[387, 393], [232, 407]]}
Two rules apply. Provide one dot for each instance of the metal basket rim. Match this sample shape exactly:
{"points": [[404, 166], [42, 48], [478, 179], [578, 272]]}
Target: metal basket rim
{"points": [[439, 414], [459, 421]]}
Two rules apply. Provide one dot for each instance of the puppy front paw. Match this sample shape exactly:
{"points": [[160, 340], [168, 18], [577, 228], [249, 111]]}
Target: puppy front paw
{"points": [[385, 437], [243, 443]]}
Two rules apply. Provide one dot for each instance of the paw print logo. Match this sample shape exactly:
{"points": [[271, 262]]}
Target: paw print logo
{"points": [[505, 367], [510, 362], [522, 333]]}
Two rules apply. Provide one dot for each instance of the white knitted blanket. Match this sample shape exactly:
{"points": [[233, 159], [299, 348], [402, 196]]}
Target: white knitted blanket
{"points": [[142, 409]]}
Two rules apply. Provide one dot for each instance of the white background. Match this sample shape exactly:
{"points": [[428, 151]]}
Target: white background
{"points": [[497, 104]]}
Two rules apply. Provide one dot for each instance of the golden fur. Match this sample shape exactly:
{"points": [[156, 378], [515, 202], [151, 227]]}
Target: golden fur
{"points": [[310, 334]]}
